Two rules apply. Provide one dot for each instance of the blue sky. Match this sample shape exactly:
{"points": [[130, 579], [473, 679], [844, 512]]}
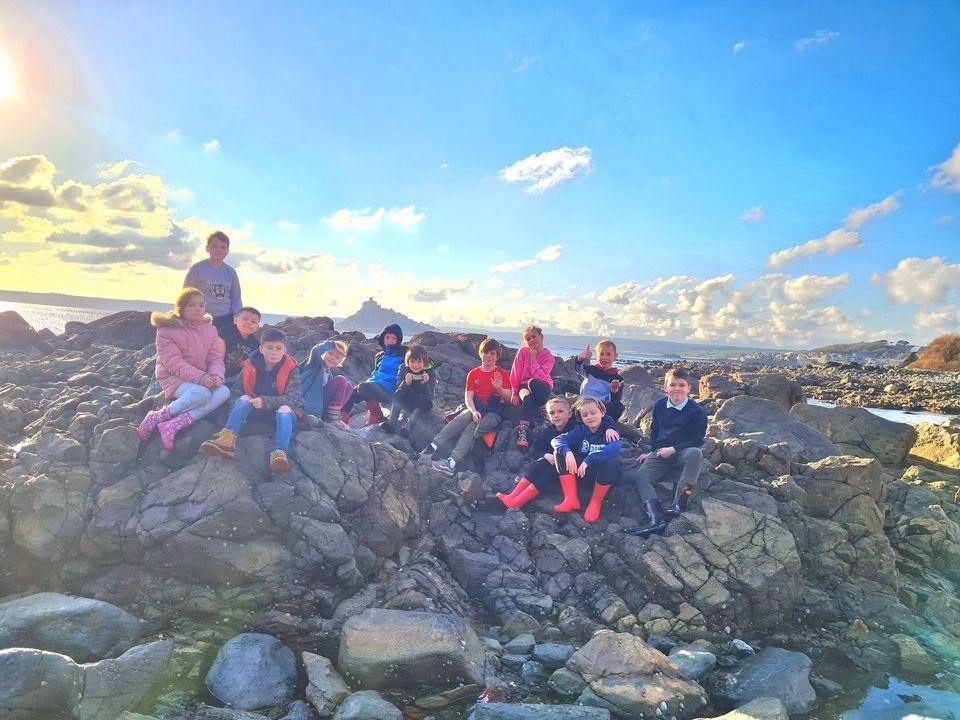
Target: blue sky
{"points": [[611, 168]]}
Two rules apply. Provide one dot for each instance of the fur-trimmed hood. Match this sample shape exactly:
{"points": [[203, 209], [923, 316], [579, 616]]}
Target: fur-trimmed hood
{"points": [[171, 319]]}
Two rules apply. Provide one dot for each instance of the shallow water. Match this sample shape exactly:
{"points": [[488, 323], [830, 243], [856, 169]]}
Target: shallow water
{"points": [[910, 417], [894, 700]]}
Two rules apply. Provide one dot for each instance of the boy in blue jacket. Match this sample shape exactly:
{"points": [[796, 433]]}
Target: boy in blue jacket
{"points": [[676, 436], [586, 452], [379, 387]]}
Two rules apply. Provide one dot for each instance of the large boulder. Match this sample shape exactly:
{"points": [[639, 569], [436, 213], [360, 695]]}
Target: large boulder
{"points": [[856, 431], [16, 333], [367, 705], [718, 386], [325, 688], [114, 685], [771, 673], [772, 386], [631, 679], [938, 443], [396, 648], [766, 708], [82, 628], [769, 423], [38, 685], [49, 510], [253, 671]]}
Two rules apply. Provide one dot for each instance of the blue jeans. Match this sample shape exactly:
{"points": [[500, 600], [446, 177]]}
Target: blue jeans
{"points": [[197, 400], [285, 421]]}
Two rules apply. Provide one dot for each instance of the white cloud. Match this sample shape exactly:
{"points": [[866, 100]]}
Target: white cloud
{"points": [[753, 215], [367, 220], [829, 245], [820, 37], [918, 280], [940, 321], [212, 146], [738, 47], [619, 294], [439, 291], [859, 217], [524, 62], [548, 169], [288, 225], [173, 134], [810, 288], [113, 170], [444, 166], [948, 172], [944, 219], [548, 254]]}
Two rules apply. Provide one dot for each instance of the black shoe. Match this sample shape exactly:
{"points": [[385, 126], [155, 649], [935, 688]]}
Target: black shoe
{"points": [[681, 498], [388, 427], [658, 520]]}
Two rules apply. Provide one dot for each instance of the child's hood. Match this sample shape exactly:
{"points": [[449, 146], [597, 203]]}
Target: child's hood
{"points": [[392, 328], [171, 319]]}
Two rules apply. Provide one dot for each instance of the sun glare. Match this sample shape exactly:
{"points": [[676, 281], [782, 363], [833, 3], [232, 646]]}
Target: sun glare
{"points": [[7, 89]]}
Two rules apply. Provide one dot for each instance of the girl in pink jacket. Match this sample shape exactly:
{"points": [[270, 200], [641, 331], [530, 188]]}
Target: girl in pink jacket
{"points": [[530, 377], [189, 367]]}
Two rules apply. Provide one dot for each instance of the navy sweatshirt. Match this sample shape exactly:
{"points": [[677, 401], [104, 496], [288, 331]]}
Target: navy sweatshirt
{"points": [[586, 446], [679, 429]]}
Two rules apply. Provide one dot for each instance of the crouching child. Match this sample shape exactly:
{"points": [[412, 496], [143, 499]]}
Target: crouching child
{"points": [[587, 452], [413, 397], [270, 383], [324, 393]]}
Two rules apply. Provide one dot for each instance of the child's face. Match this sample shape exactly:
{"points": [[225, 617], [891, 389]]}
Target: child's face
{"points": [[677, 390], [591, 415], [196, 307], [534, 341], [217, 249], [489, 359], [272, 351], [389, 340], [606, 357], [415, 365], [559, 415], [247, 323], [332, 358]]}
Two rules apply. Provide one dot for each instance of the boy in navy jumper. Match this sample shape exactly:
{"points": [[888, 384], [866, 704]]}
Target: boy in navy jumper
{"points": [[602, 381], [586, 452], [676, 436]]}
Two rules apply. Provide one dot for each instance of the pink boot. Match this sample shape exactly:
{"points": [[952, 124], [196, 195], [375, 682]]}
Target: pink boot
{"points": [[170, 428], [149, 423]]}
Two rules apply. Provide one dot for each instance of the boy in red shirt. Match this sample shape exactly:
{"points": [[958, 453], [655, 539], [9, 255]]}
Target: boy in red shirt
{"points": [[487, 396]]}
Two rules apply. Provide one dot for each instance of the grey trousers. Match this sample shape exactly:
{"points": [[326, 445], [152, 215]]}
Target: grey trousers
{"points": [[683, 467], [466, 432]]}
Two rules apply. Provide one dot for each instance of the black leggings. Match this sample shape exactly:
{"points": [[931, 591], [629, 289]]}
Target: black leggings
{"points": [[530, 408], [368, 390], [603, 473], [408, 402], [543, 475]]}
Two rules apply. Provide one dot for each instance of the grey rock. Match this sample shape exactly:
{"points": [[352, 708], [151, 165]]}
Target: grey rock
{"points": [[367, 705], [552, 655], [694, 660], [325, 688], [769, 423], [522, 644], [514, 662], [534, 711], [856, 431], [767, 708], [253, 671], [298, 710], [397, 648], [771, 673], [117, 684], [533, 673], [471, 568], [566, 684], [38, 685], [206, 712], [81, 628]]}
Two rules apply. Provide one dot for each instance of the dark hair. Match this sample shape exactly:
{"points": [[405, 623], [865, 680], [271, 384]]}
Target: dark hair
{"points": [[247, 308], [416, 352], [273, 335], [218, 235], [677, 373], [488, 345]]}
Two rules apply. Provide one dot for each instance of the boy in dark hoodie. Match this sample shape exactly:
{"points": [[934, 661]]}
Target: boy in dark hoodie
{"points": [[413, 396], [270, 383], [382, 382], [586, 452]]}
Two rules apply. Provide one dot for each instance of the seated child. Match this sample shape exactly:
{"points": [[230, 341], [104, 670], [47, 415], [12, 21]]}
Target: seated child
{"points": [[383, 380], [238, 340], [676, 436], [486, 395], [189, 368], [586, 452], [530, 377], [323, 392], [602, 381], [270, 383], [217, 281], [415, 383]]}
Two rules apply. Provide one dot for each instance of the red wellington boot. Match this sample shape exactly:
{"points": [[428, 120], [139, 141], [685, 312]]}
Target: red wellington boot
{"points": [[570, 499], [592, 513]]}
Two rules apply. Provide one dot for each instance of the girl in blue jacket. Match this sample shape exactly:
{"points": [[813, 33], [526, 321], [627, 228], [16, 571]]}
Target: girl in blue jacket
{"points": [[379, 387]]}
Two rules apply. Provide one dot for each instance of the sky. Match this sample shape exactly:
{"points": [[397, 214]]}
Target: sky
{"points": [[764, 174]]}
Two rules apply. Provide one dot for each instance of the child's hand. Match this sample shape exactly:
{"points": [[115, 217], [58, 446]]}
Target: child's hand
{"points": [[424, 378], [615, 385], [408, 378], [666, 452], [611, 435], [571, 463], [585, 355], [548, 457], [582, 470], [257, 403], [217, 380], [476, 416], [642, 457], [207, 381], [497, 381], [515, 399]]}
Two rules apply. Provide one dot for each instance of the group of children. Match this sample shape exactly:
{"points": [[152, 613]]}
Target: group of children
{"points": [[208, 343]]}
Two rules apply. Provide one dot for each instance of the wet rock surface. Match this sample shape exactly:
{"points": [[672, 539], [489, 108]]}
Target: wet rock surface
{"points": [[805, 526]]}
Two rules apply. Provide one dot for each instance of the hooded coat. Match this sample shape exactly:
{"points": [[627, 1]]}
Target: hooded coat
{"points": [[386, 364], [186, 351]]}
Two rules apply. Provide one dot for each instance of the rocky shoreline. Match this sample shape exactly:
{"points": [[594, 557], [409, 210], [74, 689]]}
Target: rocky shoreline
{"points": [[819, 538]]}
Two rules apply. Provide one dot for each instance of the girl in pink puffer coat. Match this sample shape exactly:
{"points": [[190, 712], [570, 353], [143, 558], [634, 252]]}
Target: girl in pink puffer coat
{"points": [[189, 368]]}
